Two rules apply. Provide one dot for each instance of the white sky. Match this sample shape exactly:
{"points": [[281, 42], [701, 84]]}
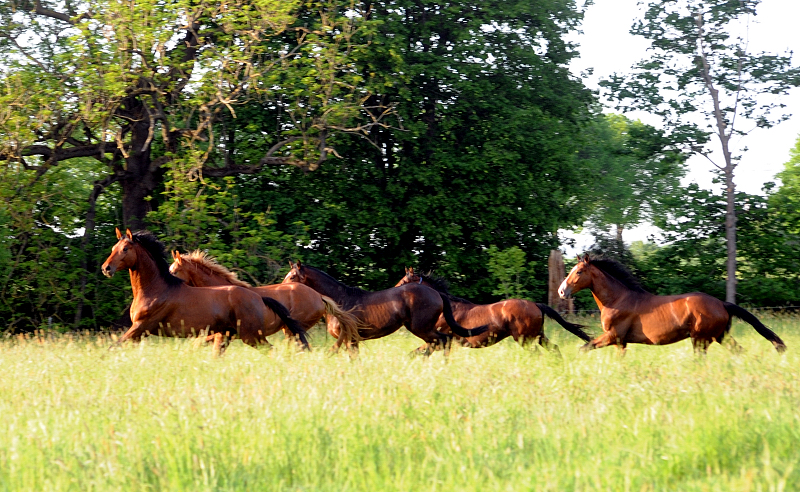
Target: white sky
{"points": [[608, 47]]}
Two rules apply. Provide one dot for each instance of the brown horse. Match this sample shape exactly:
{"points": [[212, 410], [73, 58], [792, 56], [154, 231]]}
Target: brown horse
{"points": [[163, 304], [629, 314], [382, 313], [523, 320], [305, 304]]}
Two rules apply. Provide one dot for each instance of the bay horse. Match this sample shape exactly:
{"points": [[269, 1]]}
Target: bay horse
{"points": [[518, 318], [383, 312], [305, 304], [164, 304], [630, 314]]}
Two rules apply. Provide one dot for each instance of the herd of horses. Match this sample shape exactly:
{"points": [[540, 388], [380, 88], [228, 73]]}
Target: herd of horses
{"points": [[196, 296]]}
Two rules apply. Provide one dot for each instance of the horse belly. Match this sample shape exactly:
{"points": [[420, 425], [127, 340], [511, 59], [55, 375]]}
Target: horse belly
{"points": [[199, 318], [664, 326]]}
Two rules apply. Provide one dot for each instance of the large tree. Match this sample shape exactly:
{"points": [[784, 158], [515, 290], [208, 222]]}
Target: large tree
{"points": [[139, 85], [491, 120], [700, 69], [634, 169], [145, 88]]}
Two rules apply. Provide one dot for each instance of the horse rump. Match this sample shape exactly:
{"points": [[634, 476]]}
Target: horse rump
{"points": [[291, 323]]}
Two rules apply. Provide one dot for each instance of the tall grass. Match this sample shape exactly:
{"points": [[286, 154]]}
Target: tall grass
{"points": [[165, 415]]}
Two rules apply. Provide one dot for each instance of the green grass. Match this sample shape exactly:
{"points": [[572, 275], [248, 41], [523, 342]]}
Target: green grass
{"points": [[164, 415]]}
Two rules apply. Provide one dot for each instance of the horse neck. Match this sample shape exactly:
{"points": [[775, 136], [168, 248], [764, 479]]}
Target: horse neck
{"points": [[145, 277], [328, 286], [203, 278], [606, 289]]}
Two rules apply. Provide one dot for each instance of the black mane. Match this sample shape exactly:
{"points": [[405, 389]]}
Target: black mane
{"points": [[619, 272], [350, 295], [157, 251], [441, 285]]}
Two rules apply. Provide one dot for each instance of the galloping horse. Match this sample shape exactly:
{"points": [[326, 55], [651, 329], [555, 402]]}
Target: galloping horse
{"points": [[629, 314], [305, 304], [382, 313], [163, 304], [516, 318]]}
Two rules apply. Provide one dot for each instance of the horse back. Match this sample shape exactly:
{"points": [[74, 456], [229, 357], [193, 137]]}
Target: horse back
{"points": [[304, 303]]}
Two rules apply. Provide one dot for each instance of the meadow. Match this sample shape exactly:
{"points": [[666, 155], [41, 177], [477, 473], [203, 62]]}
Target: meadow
{"points": [[166, 415]]}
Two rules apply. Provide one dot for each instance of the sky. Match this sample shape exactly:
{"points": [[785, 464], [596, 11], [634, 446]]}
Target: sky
{"points": [[608, 47]]}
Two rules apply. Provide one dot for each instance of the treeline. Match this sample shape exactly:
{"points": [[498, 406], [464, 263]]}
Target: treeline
{"points": [[478, 147]]}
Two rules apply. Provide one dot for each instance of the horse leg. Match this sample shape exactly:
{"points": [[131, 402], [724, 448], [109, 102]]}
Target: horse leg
{"points": [[218, 339], [604, 340], [335, 330], [134, 333], [548, 345], [700, 345], [732, 345]]}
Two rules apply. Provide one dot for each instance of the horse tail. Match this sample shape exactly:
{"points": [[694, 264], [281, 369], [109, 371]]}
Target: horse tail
{"points": [[748, 317], [290, 322], [348, 322], [459, 330], [573, 328]]}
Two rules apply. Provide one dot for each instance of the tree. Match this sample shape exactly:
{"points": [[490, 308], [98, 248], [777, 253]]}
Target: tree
{"points": [[137, 88], [147, 88], [634, 169], [491, 122], [700, 69], [787, 199]]}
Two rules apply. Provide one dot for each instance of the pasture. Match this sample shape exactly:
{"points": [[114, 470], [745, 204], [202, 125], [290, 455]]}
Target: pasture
{"points": [[165, 415]]}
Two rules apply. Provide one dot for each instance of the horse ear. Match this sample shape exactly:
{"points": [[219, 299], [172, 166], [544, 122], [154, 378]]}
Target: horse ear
{"points": [[298, 264], [129, 234], [176, 255], [586, 258], [119, 234], [290, 264], [411, 270]]}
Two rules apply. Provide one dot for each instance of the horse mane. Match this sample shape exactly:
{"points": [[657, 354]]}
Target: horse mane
{"points": [[208, 262], [619, 272], [352, 294], [157, 251], [442, 286]]}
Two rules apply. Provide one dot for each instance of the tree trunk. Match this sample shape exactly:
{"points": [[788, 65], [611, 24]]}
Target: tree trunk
{"points": [[88, 232], [724, 135], [141, 177], [620, 245], [730, 234]]}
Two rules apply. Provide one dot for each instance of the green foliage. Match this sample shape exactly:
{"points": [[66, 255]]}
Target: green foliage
{"points": [[491, 121], [634, 169], [212, 216], [507, 267], [42, 252], [786, 200], [672, 84]]}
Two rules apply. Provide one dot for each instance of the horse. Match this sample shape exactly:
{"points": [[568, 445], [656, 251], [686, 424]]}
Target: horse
{"points": [[164, 304], [518, 318], [304, 303], [383, 312], [630, 314]]}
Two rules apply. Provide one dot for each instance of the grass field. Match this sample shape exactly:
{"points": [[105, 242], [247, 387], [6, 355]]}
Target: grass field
{"points": [[165, 415]]}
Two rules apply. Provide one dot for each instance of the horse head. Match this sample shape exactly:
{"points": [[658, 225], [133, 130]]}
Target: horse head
{"points": [[123, 254], [296, 273], [579, 278], [410, 277]]}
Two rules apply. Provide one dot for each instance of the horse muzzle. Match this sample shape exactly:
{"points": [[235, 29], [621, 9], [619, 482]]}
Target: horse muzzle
{"points": [[108, 271], [565, 291]]}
